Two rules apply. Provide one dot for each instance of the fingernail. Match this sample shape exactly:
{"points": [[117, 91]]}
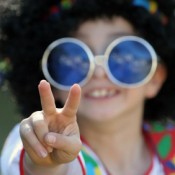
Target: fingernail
{"points": [[49, 149], [51, 139], [43, 153]]}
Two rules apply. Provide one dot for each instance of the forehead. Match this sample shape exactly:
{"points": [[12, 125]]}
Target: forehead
{"points": [[100, 32], [114, 26]]}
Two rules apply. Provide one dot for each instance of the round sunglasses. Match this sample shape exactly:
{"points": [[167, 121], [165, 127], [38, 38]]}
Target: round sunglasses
{"points": [[129, 61]]}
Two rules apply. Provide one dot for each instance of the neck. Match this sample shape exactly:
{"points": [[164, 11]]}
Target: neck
{"points": [[118, 129], [123, 138]]}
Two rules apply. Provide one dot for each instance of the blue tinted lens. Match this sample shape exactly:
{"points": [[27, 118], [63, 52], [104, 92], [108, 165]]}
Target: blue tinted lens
{"points": [[68, 63], [130, 62]]}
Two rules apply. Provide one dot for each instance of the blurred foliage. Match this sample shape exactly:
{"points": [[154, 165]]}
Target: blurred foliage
{"points": [[4, 69]]}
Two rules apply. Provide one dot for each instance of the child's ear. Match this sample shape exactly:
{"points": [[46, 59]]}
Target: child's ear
{"points": [[157, 81]]}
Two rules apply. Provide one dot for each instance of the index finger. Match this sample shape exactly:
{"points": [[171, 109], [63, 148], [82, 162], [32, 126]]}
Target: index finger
{"points": [[47, 98], [71, 106]]}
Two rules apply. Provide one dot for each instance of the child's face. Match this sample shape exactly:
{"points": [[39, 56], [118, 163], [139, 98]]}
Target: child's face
{"points": [[102, 100]]}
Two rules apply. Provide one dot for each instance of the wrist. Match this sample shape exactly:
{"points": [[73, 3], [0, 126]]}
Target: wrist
{"points": [[30, 168]]}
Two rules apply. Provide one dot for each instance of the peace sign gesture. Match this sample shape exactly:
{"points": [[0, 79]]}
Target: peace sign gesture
{"points": [[51, 136]]}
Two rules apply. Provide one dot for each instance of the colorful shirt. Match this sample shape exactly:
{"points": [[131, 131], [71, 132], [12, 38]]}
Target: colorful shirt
{"points": [[94, 166], [162, 137]]}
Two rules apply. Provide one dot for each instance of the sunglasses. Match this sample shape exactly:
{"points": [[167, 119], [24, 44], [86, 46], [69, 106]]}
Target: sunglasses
{"points": [[129, 61]]}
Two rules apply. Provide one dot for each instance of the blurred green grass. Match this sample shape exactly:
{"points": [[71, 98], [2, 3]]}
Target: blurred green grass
{"points": [[8, 114]]}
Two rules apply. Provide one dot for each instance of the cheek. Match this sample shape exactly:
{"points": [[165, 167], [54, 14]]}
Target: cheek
{"points": [[155, 84], [138, 94], [152, 89]]}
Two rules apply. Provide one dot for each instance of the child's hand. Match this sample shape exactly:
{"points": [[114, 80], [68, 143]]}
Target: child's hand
{"points": [[51, 136]]}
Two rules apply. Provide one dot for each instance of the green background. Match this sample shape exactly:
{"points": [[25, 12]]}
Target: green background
{"points": [[8, 114]]}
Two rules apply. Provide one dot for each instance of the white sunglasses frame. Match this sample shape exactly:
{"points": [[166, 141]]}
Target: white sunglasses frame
{"points": [[101, 60]]}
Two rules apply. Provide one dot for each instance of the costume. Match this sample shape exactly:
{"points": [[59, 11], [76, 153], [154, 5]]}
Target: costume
{"points": [[160, 139]]}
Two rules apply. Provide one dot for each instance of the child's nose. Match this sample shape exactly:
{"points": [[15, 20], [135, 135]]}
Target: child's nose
{"points": [[99, 71]]}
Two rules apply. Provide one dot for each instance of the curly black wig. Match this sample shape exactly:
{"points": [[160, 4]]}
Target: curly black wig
{"points": [[29, 26]]}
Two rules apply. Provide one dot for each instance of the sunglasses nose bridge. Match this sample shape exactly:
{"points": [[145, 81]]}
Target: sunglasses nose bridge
{"points": [[99, 60]]}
